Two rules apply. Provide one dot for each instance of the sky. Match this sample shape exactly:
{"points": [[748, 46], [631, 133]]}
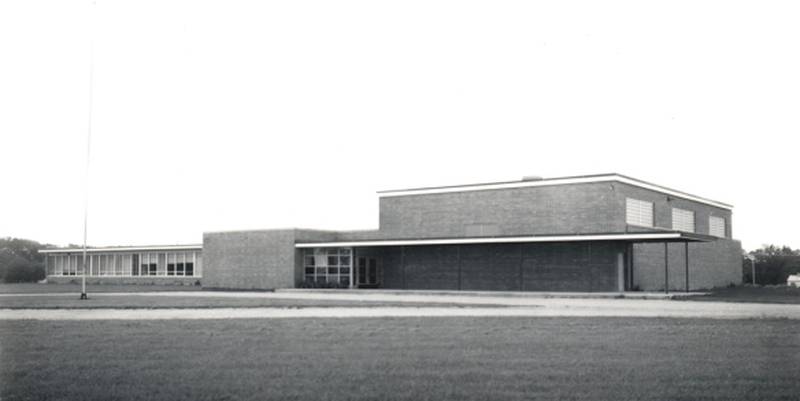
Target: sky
{"points": [[227, 115]]}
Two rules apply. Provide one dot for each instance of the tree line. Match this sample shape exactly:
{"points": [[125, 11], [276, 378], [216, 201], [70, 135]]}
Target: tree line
{"points": [[20, 260], [773, 265]]}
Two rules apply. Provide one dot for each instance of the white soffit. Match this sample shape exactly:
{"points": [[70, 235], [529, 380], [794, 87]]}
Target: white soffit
{"points": [[554, 181], [495, 240]]}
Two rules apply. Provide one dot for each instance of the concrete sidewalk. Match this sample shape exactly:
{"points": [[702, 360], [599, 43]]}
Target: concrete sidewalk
{"points": [[469, 305], [511, 294]]}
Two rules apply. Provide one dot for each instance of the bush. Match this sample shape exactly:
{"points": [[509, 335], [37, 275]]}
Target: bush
{"points": [[24, 273], [20, 260]]}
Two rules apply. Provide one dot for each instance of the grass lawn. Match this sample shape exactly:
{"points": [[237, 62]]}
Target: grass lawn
{"points": [[401, 359], [778, 295], [27, 288], [72, 301]]}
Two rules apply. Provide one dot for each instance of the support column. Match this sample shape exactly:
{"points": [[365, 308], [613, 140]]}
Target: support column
{"points": [[521, 271], [686, 251], [352, 263], [666, 268], [621, 271], [458, 256], [403, 265]]}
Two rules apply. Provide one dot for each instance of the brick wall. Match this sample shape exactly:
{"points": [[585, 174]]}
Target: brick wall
{"points": [[562, 209], [143, 280], [502, 267], [712, 264], [663, 205], [264, 259]]}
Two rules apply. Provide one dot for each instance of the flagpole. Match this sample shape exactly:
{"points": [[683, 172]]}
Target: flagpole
{"points": [[88, 151]]}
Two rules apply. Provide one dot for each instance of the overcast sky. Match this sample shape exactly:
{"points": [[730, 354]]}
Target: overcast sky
{"points": [[221, 115]]}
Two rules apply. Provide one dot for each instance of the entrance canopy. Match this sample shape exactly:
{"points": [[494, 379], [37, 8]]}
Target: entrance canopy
{"points": [[667, 236]]}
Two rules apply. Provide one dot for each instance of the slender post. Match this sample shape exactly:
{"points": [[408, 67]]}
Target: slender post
{"points": [[352, 263], [88, 152], [753, 269], [458, 253], [403, 265], [686, 251], [666, 268], [521, 276]]}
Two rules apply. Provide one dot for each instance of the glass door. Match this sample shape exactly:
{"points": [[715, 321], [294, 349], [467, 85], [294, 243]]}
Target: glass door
{"points": [[367, 271]]}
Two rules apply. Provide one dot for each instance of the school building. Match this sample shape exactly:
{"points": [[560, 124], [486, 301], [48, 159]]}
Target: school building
{"points": [[603, 233]]}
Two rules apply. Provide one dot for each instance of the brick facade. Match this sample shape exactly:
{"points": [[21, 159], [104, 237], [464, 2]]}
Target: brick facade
{"points": [[263, 259], [127, 280], [501, 267], [562, 209], [268, 259], [713, 264]]}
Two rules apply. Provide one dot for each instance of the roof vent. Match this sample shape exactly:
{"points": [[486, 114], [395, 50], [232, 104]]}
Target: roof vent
{"points": [[532, 178]]}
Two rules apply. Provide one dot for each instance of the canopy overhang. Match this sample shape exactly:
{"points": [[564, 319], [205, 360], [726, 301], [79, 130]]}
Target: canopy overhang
{"points": [[624, 237]]}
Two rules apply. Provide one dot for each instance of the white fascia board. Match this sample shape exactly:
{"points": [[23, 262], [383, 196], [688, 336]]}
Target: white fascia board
{"points": [[557, 181], [126, 249], [495, 240], [502, 185], [667, 191]]}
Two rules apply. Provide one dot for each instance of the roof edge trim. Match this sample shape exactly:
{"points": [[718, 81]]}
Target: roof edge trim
{"points": [[555, 181], [124, 249]]}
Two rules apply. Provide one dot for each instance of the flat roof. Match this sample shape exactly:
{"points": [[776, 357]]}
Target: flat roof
{"points": [[628, 237], [581, 179], [147, 248]]}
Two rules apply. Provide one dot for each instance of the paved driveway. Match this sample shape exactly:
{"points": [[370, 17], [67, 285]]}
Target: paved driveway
{"points": [[471, 306]]}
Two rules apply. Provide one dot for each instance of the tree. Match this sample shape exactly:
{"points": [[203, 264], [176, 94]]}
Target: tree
{"points": [[20, 260], [774, 264]]}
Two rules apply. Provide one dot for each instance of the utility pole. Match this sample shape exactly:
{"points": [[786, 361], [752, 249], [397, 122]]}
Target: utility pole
{"points": [[752, 267], [88, 151]]}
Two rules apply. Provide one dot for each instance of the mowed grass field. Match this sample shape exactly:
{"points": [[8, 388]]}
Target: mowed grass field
{"points": [[767, 294], [145, 301], [401, 359]]}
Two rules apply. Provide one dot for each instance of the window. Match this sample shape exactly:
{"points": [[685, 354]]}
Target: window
{"points": [[149, 264], [327, 265], [638, 212], [682, 220], [716, 226]]}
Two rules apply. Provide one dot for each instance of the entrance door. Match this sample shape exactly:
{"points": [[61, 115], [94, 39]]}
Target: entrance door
{"points": [[367, 272]]}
